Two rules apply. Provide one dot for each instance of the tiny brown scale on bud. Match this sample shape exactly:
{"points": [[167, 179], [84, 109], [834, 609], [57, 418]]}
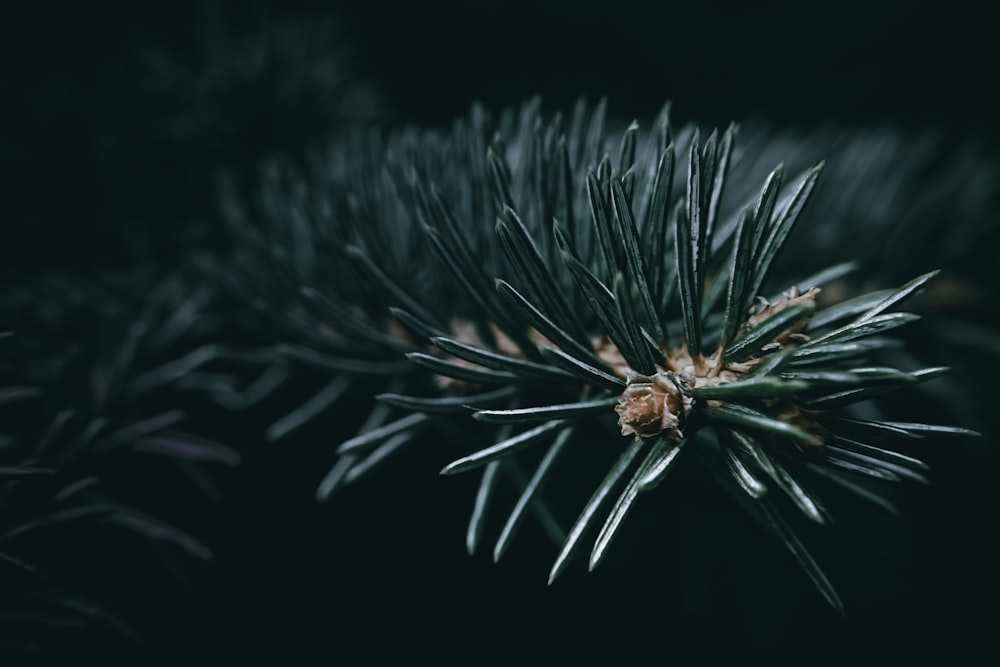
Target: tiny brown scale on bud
{"points": [[790, 298]]}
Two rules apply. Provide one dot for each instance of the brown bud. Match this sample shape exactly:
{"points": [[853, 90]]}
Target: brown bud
{"points": [[651, 405]]}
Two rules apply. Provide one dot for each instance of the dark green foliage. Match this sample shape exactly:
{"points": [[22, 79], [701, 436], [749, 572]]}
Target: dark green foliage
{"points": [[535, 286], [92, 416]]}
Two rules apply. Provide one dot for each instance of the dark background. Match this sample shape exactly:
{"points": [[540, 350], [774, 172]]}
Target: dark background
{"points": [[94, 160], [91, 141]]}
